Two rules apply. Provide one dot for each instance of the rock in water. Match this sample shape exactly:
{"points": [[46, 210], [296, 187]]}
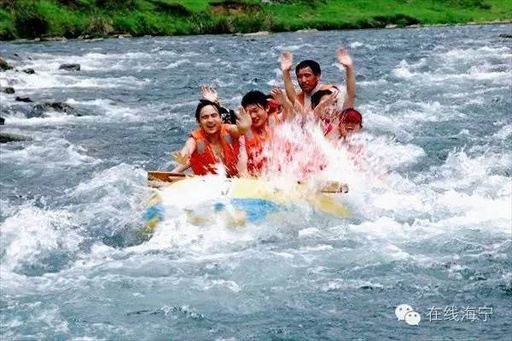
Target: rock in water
{"points": [[8, 90], [5, 137], [70, 67], [39, 109], [23, 99], [4, 65]]}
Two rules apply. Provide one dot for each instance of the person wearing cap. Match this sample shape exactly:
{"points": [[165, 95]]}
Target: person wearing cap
{"points": [[351, 121], [213, 142], [326, 112], [309, 74]]}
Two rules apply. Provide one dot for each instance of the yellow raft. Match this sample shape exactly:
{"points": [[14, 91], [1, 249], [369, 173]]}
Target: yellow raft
{"points": [[186, 191]]}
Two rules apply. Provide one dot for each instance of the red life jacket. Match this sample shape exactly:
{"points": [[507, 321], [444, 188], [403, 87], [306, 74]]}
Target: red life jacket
{"points": [[203, 160], [254, 145]]}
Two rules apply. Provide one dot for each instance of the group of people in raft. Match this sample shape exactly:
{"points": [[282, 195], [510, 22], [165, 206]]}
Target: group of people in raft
{"points": [[237, 141]]}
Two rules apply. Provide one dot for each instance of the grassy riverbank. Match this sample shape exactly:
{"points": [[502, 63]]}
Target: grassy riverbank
{"points": [[97, 18]]}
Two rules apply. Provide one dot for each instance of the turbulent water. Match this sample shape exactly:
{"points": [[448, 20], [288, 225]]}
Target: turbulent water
{"points": [[433, 231]]}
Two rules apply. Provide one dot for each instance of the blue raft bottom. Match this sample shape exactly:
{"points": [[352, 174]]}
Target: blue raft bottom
{"points": [[256, 209]]}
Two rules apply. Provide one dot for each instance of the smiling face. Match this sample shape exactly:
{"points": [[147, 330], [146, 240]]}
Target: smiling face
{"points": [[350, 122], [259, 115], [209, 120], [307, 79], [347, 129]]}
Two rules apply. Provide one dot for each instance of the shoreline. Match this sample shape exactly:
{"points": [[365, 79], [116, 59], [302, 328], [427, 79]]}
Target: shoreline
{"points": [[124, 35], [75, 19]]}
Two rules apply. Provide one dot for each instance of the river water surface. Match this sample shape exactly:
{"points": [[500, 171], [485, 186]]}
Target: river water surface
{"points": [[434, 233]]}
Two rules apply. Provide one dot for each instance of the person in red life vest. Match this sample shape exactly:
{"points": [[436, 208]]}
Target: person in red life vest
{"points": [[309, 75], [265, 119], [213, 142]]}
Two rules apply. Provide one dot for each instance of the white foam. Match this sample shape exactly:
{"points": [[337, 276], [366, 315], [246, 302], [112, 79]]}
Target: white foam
{"points": [[504, 133], [356, 44], [177, 63], [52, 153], [29, 236]]}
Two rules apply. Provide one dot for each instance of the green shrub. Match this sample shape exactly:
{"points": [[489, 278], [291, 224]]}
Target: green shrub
{"points": [[251, 23], [116, 5], [465, 3], [171, 8], [77, 4], [98, 26], [128, 23], [29, 20], [6, 28]]}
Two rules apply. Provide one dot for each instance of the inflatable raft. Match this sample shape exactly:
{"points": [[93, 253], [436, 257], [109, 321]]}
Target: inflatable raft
{"points": [[237, 200]]}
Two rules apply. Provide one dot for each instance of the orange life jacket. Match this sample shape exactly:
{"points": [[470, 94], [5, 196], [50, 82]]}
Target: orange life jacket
{"points": [[301, 96], [254, 145], [203, 160]]}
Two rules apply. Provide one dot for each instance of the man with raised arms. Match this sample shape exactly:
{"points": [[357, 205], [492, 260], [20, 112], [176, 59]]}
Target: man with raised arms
{"points": [[309, 75]]}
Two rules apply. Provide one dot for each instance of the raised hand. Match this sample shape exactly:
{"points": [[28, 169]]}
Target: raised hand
{"points": [[344, 57], [326, 107], [209, 93], [180, 158], [243, 120], [278, 96], [286, 61]]}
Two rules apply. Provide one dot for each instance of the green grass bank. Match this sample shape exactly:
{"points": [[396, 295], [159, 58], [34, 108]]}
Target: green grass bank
{"points": [[99, 18]]}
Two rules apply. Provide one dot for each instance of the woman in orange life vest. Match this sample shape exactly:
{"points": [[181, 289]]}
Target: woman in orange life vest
{"points": [[308, 74], [213, 142], [264, 118]]}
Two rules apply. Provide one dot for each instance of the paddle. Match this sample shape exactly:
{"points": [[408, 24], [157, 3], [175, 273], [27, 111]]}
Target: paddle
{"points": [[160, 178]]}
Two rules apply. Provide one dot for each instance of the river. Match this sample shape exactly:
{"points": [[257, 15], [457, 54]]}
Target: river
{"points": [[434, 234]]}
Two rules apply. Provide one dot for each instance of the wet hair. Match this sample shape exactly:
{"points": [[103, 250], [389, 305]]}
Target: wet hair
{"points": [[204, 103], [227, 115], [255, 97], [314, 66], [317, 97]]}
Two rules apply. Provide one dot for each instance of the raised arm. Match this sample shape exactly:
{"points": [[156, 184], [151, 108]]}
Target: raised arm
{"points": [[345, 60], [210, 94], [242, 159], [279, 97], [286, 68], [243, 123]]}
